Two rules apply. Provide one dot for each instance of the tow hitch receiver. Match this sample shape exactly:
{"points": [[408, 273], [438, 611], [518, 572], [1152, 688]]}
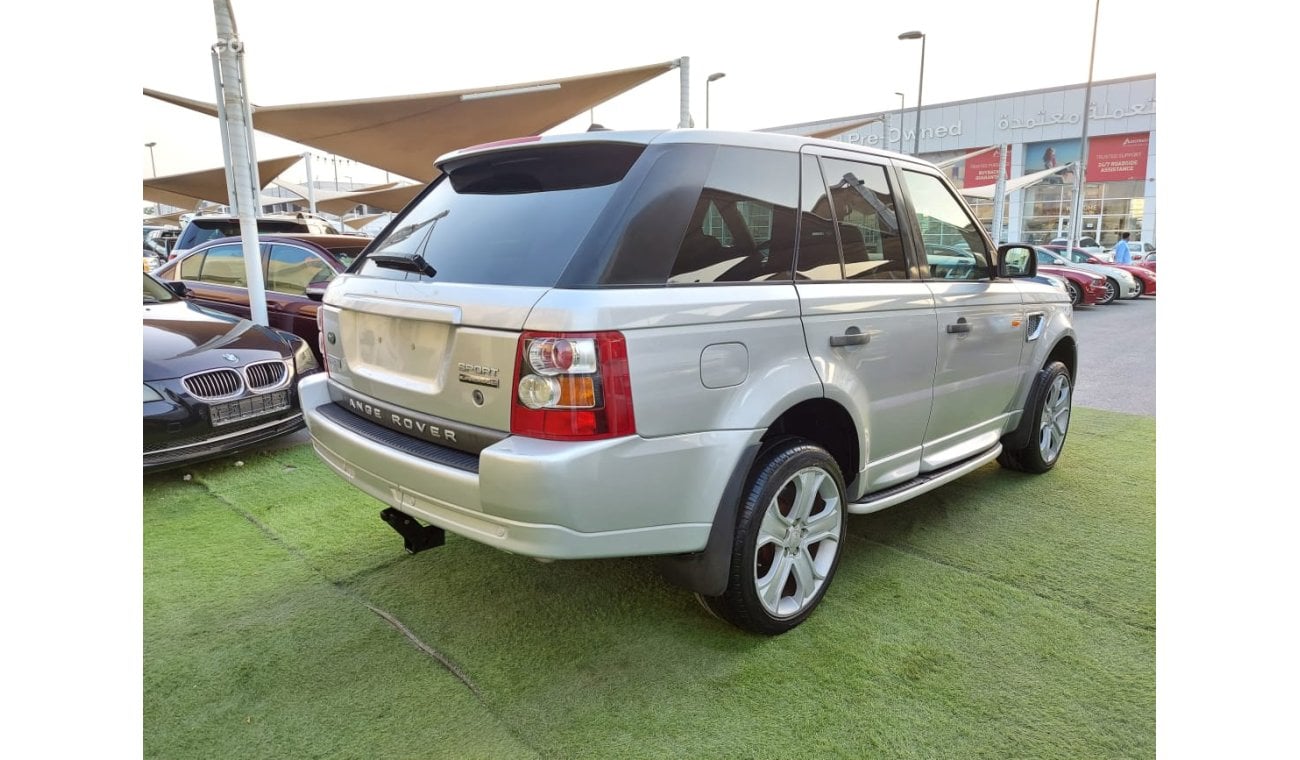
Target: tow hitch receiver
{"points": [[417, 537]]}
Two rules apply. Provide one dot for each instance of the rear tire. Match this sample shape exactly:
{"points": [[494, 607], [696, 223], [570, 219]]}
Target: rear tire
{"points": [[788, 534], [1051, 416]]}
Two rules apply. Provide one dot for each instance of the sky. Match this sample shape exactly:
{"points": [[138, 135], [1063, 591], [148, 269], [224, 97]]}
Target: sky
{"points": [[76, 123], [778, 71]]}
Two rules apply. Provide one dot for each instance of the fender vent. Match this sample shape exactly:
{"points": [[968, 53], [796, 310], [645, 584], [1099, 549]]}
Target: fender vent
{"points": [[1034, 327]]}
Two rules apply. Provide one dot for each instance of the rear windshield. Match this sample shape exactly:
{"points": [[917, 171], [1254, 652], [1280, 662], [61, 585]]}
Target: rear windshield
{"points": [[507, 218], [200, 231]]}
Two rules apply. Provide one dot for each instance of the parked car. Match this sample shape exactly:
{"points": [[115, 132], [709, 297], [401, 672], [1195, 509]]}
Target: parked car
{"points": [[292, 264], [1119, 283], [649, 343], [213, 384], [1088, 244], [1084, 288], [1145, 277], [161, 240], [1139, 250], [201, 229], [1149, 262]]}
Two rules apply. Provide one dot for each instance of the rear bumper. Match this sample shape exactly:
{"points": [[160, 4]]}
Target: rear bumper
{"points": [[619, 497]]}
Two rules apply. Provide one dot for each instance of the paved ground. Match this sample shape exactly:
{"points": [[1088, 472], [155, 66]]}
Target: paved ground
{"points": [[1117, 356]]}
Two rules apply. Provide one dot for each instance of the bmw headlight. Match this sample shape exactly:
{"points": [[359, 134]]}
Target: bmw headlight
{"points": [[304, 361], [151, 395]]}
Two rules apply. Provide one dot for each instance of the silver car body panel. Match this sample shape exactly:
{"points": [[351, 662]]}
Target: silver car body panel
{"points": [[711, 368], [558, 500]]}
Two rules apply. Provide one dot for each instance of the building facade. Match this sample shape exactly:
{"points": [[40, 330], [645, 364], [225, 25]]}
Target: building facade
{"points": [[1043, 130]]}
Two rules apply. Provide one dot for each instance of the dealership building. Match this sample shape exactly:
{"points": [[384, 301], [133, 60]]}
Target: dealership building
{"points": [[1042, 130]]}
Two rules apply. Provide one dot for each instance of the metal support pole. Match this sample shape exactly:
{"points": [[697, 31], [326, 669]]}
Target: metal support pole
{"points": [[999, 194], [311, 186], [684, 65], [232, 96], [916, 150], [1076, 213]]}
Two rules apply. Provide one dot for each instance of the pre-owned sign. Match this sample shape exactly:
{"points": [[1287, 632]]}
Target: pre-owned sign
{"points": [[1115, 158]]}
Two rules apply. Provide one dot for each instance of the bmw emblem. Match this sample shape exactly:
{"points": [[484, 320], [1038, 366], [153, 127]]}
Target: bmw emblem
{"points": [[230, 358]]}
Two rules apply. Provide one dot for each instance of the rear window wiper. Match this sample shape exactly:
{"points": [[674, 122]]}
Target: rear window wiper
{"points": [[411, 262], [407, 262]]}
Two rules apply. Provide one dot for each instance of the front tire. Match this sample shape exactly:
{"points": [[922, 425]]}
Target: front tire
{"points": [[787, 547], [1051, 416], [1076, 295], [1141, 289], [1112, 292]]}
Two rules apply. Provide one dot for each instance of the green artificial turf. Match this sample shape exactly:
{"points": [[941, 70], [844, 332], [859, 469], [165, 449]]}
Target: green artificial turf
{"points": [[1001, 616]]}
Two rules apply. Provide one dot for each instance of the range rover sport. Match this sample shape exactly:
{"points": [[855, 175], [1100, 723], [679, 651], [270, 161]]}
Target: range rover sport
{"points": [[706, 346]]}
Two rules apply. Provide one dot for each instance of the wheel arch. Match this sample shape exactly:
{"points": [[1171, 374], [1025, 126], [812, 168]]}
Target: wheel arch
{"points": [[819, 420]]}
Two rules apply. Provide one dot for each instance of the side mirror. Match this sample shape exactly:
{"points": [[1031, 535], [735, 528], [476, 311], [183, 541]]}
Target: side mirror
{"points": [[1017, 260], [316, 290], [178, 287]]}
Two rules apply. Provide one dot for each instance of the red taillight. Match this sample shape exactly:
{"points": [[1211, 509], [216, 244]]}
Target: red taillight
{"points": [[572, 386]]}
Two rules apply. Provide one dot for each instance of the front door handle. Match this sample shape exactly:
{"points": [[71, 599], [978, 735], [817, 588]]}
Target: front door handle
{"points": [[851, 337], [960, 327]]}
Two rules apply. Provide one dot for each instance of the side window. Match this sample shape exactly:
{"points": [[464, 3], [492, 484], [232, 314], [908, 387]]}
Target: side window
{"points": [[224, 265], [819, 254], [742, 228], [954, 248], [292, 269], [191, 266], [863, 209]]}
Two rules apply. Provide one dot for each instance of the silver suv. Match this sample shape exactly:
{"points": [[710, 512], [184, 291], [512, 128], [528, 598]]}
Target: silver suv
{"points": [[706, 346]]}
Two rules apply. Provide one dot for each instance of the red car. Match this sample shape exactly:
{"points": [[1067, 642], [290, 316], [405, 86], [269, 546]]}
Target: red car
{"points": [[1086, 288], [1145, 276], [214, 273]]}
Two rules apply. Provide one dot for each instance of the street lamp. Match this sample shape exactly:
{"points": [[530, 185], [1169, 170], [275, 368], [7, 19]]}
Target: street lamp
{"points": [[152, 166], [916, 149], [902, 106], [712, 78]]}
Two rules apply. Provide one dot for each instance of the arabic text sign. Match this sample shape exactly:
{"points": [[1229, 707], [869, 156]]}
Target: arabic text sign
{"points": [[1115, 158]]}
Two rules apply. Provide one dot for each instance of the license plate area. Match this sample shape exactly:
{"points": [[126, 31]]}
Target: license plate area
{"points": [[242, 409]]}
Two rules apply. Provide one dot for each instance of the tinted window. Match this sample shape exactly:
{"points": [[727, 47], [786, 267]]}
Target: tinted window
{"points": [[201, 230], [191, 266], [224, 265], [509, 218], [819, 254], [291, 269], [863, 209], [742, 228], [953, 246]]}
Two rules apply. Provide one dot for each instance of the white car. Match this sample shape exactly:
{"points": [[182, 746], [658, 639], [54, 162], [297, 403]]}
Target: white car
{"points": [[1088, 244], [1139, 250]]}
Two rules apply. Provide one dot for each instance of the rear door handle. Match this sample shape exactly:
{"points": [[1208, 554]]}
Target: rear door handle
{"points": [[851, 337], [960, 327]]}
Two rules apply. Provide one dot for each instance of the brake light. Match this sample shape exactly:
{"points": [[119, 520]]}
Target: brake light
{"points": [[572, 386]]}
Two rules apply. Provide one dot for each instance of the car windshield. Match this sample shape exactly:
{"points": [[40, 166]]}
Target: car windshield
{"points": [[346, 254], [156, 292]]}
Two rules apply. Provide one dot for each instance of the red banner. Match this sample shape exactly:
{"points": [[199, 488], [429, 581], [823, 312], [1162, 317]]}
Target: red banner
{"points": [[1115, 158], [983, 169]]}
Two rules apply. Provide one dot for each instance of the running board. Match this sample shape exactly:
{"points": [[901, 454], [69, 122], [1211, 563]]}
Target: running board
{"points": [[917, 486]]}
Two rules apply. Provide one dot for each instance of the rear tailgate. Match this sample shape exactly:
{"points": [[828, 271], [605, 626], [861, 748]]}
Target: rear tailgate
{"points": [[446, 350]]}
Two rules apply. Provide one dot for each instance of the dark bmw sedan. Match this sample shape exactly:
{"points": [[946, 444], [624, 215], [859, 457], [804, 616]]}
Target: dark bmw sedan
{"points": [[292, 263], [214, 384]]}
